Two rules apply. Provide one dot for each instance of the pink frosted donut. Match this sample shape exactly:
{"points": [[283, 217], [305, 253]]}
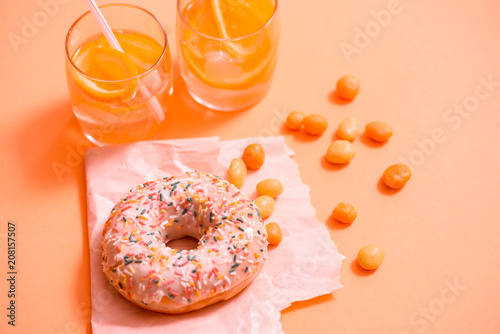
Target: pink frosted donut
{"points": [[231, 251]]}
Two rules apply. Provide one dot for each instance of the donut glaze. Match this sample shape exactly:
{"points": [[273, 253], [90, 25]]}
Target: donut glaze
{"points": [[231, 251]]}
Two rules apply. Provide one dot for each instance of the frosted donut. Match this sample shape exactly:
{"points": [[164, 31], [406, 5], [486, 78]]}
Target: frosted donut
{"points": [[231, 251]]}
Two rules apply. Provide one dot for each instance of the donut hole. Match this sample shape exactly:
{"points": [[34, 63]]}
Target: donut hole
{"points": [[183, 243]]}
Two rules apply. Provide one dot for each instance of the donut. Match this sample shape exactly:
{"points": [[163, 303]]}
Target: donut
{"points": [[231, 251]]}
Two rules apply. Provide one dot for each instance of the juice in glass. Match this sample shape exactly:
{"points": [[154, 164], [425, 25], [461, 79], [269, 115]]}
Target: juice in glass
{"points": [[119, 97], [228, 50]]}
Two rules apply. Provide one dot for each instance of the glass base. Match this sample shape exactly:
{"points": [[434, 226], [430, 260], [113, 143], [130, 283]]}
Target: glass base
{"points": [[114, 130], [221, 99]]}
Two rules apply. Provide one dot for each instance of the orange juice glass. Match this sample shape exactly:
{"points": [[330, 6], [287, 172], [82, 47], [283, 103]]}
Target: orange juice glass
{"points": [[119, 97], [227, 50]]}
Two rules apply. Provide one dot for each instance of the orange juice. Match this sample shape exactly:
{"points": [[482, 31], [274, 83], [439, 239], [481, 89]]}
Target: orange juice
{"points": [[228, 50], [112, 92], [105, 89]]}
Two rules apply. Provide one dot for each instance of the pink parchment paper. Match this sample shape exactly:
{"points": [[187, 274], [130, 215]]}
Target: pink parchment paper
{"points": [[305, 265]]}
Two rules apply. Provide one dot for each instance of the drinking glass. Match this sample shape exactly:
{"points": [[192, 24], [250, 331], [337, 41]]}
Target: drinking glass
{"points": [[119, 97], [227, 50]]}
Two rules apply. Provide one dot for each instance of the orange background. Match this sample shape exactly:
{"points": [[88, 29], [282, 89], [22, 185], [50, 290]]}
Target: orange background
{"points": [[422, 66]]}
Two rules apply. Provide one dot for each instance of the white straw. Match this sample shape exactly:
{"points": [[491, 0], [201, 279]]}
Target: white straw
{"points": [[113, 42]]}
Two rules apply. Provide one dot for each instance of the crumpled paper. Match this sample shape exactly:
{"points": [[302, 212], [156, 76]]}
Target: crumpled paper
{"points": [[305, 265]]}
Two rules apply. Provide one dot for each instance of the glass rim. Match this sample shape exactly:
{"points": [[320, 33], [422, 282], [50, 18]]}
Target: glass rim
{"points": [[138, 76], [231, 39]]}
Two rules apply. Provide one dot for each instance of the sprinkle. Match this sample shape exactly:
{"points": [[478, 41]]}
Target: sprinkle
{"points": [[240, 220], [172, 190], [130, 238], [184, 211], [258, 212], [241, 228]]}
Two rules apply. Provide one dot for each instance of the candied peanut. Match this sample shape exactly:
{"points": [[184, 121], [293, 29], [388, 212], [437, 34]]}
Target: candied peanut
{"points": [[348, 87], [274, 235], [370, 257], [340, 152], [270, 187], [396, 176], [315, 124], [294, 120], [265, 204], [344, 213], [378, 131], [348, 129], [237, 172], [253, 156]]}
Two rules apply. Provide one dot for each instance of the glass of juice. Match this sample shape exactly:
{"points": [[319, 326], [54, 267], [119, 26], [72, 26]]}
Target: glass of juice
{"points": [[227, 50], [119, 97]]}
